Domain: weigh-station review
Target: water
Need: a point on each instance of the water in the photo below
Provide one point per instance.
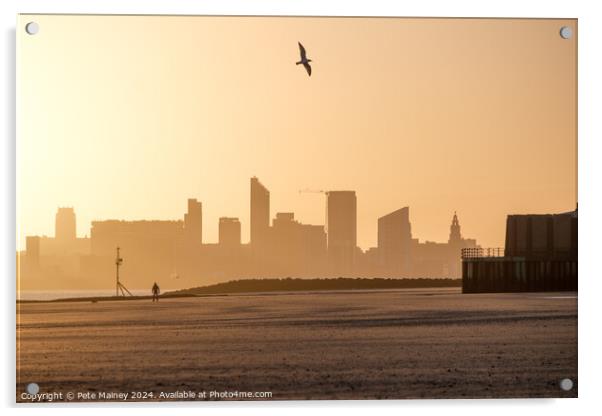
(67, 294)
(63, 294)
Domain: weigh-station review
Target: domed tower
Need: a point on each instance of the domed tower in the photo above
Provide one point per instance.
(455, 237)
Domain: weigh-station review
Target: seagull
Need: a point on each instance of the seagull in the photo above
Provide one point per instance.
(304, 59)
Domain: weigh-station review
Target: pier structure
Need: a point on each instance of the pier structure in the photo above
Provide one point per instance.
(540, 255)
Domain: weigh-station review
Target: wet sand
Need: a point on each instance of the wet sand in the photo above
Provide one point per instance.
(391, 344)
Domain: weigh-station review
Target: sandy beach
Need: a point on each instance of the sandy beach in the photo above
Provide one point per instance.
(390, 344)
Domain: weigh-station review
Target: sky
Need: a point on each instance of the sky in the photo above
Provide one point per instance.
(126, 117)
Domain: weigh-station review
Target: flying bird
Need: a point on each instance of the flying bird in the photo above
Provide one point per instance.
(304, 61)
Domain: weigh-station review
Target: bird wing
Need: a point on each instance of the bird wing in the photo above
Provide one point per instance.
(302, 51)
(307, 68)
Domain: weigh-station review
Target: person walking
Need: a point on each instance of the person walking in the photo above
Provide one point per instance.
(156, 292)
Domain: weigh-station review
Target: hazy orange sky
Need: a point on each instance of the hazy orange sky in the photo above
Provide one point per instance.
(127, 117)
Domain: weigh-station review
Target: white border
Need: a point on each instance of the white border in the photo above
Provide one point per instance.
(590, 209)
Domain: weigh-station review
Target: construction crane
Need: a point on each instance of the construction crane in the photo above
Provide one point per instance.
(311, 191)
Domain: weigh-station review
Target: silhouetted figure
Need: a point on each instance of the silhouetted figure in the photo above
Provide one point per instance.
(304, 61)
(156, 292)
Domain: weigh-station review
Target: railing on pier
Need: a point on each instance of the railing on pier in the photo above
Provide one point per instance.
(479, 252)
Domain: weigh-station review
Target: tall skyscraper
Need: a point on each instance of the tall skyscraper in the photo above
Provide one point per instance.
(64, 226)
(193, 221)
(394, 242)
(229, 232)
(260, 213)
(341, 228)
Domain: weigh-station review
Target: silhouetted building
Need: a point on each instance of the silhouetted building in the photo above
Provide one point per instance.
(284, 222)
(229, 232)
(50, 259)
(149, 247)
(64, 229)
(65, 241)
(160, 250)
(134, 235)
(542, 236)
(32, 247)
(284, 251)
(435, 260)
(314, 247)
(193, 221)
(260, 212)
(341, 229)
(394, 243)
(456, 243)
(540, 255)
(369, 263)
(296, 249)
(455, 235)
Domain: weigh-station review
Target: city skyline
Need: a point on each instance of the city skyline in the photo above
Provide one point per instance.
(280, 245)
(67, 215)
(83, 230)
(467, 115)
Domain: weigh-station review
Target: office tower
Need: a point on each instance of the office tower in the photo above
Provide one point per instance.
(341, 228)
(284, 249)
(64, 229)
(229, 232)
(394, 242)
(193, 221)
(314, 249)
(260, 213)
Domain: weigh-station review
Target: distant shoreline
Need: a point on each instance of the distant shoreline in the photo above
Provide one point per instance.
(295, 284)
(235, 287)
